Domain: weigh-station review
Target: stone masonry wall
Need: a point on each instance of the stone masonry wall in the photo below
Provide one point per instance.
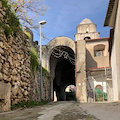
(14, 66)
(35, 77)
(46, 87)
(35, 87)
(17, 82)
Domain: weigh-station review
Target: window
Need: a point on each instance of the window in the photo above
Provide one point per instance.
(86, 38)
(99, 87)
(99, 50)
(98, 53)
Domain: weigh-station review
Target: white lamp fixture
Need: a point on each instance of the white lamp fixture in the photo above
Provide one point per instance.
(42, 22)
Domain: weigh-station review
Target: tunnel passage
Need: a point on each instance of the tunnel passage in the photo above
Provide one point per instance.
(62, 65)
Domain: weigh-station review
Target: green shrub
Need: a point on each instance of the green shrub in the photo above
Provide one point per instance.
(99, 94)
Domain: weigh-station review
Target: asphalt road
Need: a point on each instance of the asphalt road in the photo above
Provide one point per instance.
(66, 111)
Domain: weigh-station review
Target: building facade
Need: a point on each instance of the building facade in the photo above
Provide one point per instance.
(113, 20)
(80, 62)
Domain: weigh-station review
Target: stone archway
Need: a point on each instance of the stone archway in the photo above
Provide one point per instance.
(62, 66)
(73, 52)
(58, 41)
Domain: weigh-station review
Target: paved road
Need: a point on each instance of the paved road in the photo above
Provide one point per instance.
(66, 111)
(51, 111)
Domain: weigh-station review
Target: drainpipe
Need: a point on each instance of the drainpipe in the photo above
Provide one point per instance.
(110, 42)
(76, 65)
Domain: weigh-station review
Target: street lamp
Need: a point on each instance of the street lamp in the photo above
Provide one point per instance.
(41, 82)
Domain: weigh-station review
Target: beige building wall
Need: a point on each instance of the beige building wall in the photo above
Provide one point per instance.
(115, 56)
(81, 71)
(86, 29)
(93, 61)
(96, 55)
(113, 20)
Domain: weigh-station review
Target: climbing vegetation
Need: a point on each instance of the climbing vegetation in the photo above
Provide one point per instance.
(10, 23)
(28, 34)
(28, 104)
(34, 62)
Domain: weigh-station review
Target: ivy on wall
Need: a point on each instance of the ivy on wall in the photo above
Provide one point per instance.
(34, 62)
(10, 23)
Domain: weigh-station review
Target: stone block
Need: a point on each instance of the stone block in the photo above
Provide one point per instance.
(5, 90)
(1, 51)
(1, 44)
(0, 66)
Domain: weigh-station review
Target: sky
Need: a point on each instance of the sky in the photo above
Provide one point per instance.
(63, 16)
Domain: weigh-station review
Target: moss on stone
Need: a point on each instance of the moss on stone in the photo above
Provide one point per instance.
(10, 23)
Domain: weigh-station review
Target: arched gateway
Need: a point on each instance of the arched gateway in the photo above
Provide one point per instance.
(66, 67)
(62, 65)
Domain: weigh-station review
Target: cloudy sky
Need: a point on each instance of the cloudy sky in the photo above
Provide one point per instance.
(64, 15)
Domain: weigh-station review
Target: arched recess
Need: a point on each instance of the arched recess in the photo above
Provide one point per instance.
(86, 38)
(70, 92)
(62, 68)
(60, 41)
(99, 50)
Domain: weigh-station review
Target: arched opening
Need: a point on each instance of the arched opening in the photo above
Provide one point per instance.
(99, 87)
(70, 92)
(62, 67)
(86, 38)
(99, 50)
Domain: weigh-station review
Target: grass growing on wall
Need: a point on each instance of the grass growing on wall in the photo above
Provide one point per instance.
(10, 23)
(34, 62)
(28, 34)
(28, 104)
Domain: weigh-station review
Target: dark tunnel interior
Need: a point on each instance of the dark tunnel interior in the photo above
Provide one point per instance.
(64, 74)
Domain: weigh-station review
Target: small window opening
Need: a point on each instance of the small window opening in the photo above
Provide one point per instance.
(86, 38)
(99, 50)
(98, 53)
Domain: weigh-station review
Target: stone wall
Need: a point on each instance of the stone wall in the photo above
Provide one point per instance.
(35, 81)
(14, 65)
(17, 82)
(46, 87)
(35, 87)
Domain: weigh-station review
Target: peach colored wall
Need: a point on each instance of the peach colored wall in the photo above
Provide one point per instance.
(115, 55)
(95, 62)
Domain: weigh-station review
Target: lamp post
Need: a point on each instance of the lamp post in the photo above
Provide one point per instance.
(41, 82)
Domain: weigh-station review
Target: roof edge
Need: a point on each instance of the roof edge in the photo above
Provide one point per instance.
(109, 12)
(97, 39)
